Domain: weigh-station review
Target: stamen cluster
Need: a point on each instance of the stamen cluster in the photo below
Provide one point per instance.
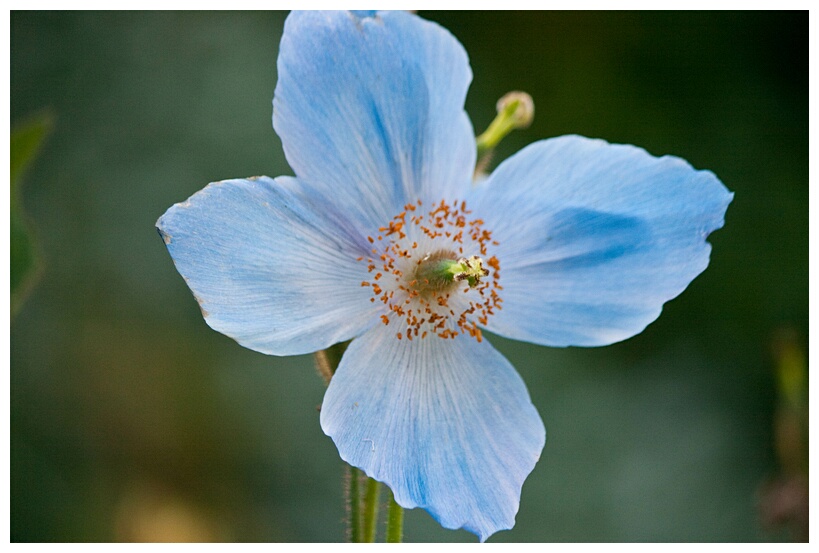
(407, 275)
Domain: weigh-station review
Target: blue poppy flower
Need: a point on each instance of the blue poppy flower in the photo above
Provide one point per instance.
(383, 238)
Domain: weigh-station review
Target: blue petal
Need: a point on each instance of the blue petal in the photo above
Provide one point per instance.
(595, 237)
(447, 424)
(370, 110)
(271, 268)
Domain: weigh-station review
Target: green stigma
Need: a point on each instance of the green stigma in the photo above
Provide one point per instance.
(440, 271)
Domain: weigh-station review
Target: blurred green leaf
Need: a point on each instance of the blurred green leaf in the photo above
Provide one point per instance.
(26, 140)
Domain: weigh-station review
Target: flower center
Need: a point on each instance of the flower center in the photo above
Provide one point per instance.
(431, 270)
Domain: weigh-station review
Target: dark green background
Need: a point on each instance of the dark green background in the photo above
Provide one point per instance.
(131, 419)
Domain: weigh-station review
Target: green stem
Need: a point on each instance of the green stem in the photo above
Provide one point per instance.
(370, 510)
(395, 521)
(498, 128)
(327, 360)
(354, 503)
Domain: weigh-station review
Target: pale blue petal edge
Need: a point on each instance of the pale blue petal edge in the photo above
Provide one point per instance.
(595, 237)
(370, 110)
(448, 425)
(269, 266)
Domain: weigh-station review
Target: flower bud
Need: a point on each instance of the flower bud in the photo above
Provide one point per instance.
(519, 106)
(516, 110)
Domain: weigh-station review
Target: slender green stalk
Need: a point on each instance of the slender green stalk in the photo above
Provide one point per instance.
(354, 504)
(327, 360)
(371, 510)
(395, 521)
(499, 128)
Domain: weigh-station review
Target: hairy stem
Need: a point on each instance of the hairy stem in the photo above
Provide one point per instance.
(395, 521)
(371, 510)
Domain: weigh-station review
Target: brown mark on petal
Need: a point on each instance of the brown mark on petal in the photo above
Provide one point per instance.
(199, 300)
(165, 236)
(201, 307)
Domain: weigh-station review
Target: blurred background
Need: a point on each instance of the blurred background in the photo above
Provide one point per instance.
(132, 420)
